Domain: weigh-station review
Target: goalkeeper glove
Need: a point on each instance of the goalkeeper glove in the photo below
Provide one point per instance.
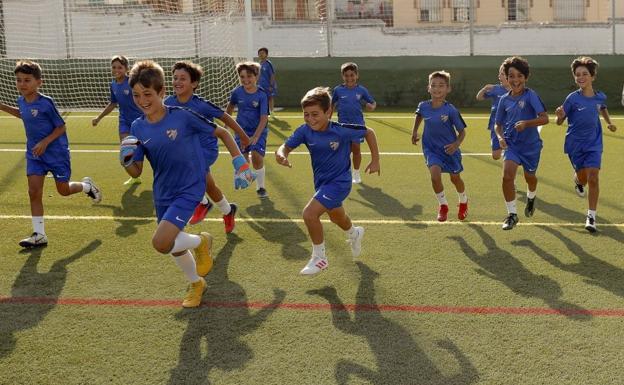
(243, 175)
(128, 146)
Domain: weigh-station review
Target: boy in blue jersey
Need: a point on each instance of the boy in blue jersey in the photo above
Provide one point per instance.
(267, 77)
(329, 145)
(186, 77)
(583, 141)
(252, 116)
(121, 95)
(347, 99)
(47, 148)
(170, 139)
(494, 92)
(443, 134)
(519, 114)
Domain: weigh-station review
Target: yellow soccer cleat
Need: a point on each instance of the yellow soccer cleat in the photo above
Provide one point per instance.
(133, 181)
(194, 294)
(203, 259)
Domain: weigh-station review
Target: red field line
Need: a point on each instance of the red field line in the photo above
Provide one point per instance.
(427, 309)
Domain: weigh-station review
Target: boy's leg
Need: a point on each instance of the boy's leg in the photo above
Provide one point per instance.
(357, 162)
(69, 188)
(509, 193)
(592, 197)
(312, 219)
(355, 234)
(462, 212)
(531, 180)
(35, 194)
(438, 188)
(228, 210)
(205, 205)
(257, 160)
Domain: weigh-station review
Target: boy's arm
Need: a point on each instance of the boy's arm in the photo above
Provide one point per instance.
(561, 115)
(499, 134)
(229, 109)
(227, 140)
(452, 147)
(541, 120)
(264, 120)
(231, 123)
(135, 169)
(107, 110)
(40, 147)
(10, 110)
(371, 140)
(482, 91)
(281, 155)
(371, 106)
(605, 115)
(417, 121)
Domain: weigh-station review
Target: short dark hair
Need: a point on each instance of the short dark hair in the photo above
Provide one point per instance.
(194, 70)
(348, 66)
(587, 62)
(248, 66)
(519, 63)
(319, 96)
(121, 59)
(148, 73)
(441, 75)
(265, 49)
(28, 67)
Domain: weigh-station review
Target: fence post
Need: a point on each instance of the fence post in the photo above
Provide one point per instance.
(249, 28)
(471, 16)
(329, 15)
(613, 45)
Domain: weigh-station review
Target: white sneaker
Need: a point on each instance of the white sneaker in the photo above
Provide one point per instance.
(590, 224)
(315, 265)
(35, 240)
(355, 176)
(356, 241)
(579, 188)
(94, 193)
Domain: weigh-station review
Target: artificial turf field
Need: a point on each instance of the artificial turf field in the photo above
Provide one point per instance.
(427, 303)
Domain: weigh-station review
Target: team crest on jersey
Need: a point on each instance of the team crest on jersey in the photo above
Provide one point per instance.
(358, 96)
(126, 92)
(34, 112)
(172, 134)
(521, 104)
(255, 104)
(444, 118)
(334, 145)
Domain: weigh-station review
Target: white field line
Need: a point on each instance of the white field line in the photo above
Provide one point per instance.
(298, 220)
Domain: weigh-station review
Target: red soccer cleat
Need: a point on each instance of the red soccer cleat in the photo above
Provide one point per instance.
(200, 213)
(228, 219)
(462, 213)
(442, 213)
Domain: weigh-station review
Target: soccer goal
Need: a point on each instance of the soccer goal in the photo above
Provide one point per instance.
(74, 40)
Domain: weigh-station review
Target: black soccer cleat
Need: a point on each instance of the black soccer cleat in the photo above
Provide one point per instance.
(510, 221)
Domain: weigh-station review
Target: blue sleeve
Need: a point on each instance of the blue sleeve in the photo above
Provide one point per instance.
(602, 100)
(367, 96)
(297, 138)
(210, 110)
(334, 95)
(234, 97)
(419, 108)
(199, 123)
(536, 103)
(54, 115)
(489, 94)
(113, 98)
(501, 114)
(271, 70)
(457, 120)
(568, 105)
(264, 104)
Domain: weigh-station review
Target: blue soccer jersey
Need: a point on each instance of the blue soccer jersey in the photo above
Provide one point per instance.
(250, 108)
(121, 93)
(441, 125)
(513, 109)
(584, 128)
(40, 118)
(329, 150)
(173, 149)
(349, 103)
(496, 93)
(264, 81)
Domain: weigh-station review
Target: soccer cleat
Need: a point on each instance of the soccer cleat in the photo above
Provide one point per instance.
(314, 265)
(356, 178)
(462, 213)
(510, 221)
(590, 224)
(35, 240)
(442, 213)
(529, 209)
(94, 192)
(133, 181)
(262, 193)
(228, 219)
(194, 293)
(200, 212)
(579, 188)
(356, 241)
(203, 259)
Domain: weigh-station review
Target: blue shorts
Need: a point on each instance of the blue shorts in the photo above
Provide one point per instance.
(210, 156)
(124, 127)
(61, 168)
(529, 160)
(259, 147)
(332, 195)
(451, 164)
(494, 140)
(585, 159)
(358, 141)
(179, 212)
(269, 93)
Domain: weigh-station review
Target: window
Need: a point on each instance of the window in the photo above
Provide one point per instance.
(569, 10)
(430, 10)
(517, 10)
(461, 10)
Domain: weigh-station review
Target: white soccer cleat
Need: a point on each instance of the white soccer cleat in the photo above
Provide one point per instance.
(315, 265)
(94, 193)
(590, 224)
(35, 240)
(355, 177)
(579, 188)
(356, 241)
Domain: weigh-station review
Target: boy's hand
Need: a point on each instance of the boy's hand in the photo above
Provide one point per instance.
(520, 125)
(95, 122)
(243, 176)
(244, 141)
(40, 148)
(451, 148)
(370, 106)
(254, 139)
(560, 112)
(612, 127)
(282, 160)
(415, 138)
(502, 143)
(373, 167)
(127, 148)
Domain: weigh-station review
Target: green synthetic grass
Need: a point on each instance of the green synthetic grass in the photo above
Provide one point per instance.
(549, 262)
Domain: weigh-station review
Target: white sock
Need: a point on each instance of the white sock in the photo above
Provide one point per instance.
(441, 198)
(185, 241)
(204, 200)
(186, 263)
(260, 177)
(356, 171)
(351, 231)
(86, 187)
(591, 213)
(511, 207)
(38, 227)
(463, 198)
(531, 194)
(224, 206)
(319, 250)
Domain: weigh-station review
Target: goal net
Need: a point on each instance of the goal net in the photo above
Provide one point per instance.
(73, 40)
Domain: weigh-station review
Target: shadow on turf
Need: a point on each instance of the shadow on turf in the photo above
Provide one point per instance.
(387, 205)
(132, 206)
(286, 232)
(282, 125)
(598, 272)
(500, 265)
(40, 292)
(221, 322)
(399, 358)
